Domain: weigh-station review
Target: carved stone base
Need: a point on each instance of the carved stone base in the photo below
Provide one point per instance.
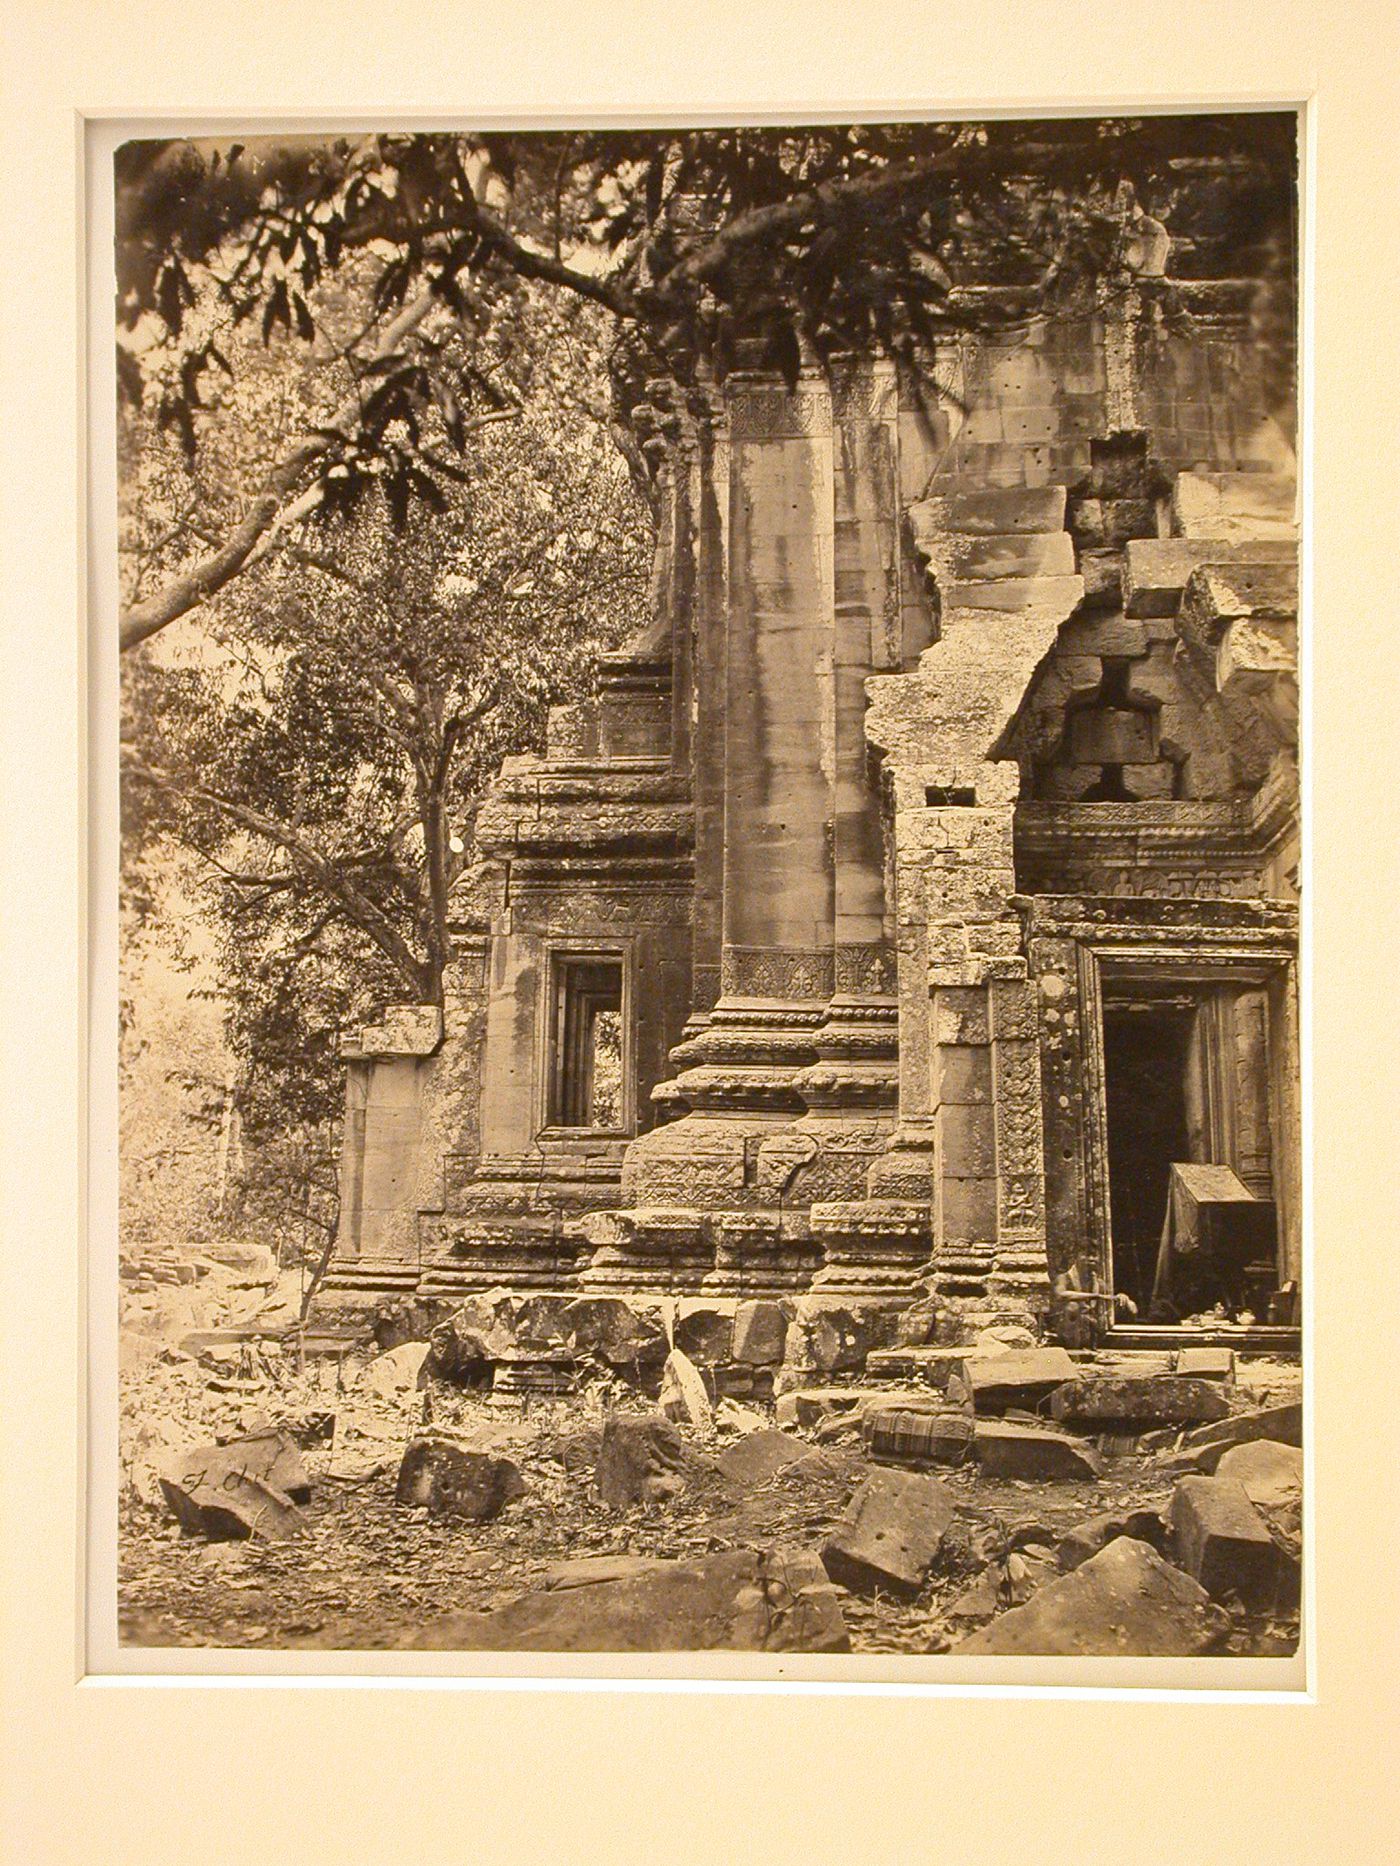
(653, 1249)
(762, 1253)
(467, 1254)
(871, 1247)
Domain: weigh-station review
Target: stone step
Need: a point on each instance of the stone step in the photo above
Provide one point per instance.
(1156, 570)
(986, 557)
(988, 511)
(1013, 593)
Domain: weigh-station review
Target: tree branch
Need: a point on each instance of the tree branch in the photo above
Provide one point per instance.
(327, 873)
(218, 567)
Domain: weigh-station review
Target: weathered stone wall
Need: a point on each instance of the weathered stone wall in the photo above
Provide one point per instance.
(925, 653)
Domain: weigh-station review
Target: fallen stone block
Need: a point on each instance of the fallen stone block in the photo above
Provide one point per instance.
(1271, 1476)
(1029, 1452)
(730, 1416)
(640, 1460)
(891, 1534)
(1123, 1602)
(250, 1487)
(738, 1600)
(831, 1334)
(918, 1437)
(760, 1333)
(1221, 1539)
(1019, 1377)
(592, 1570)
(810, 1406)
(928, 1366)
(397, 1374)
(1084, 1540)
(1206, 1363)
(760, 1456)
(1101, 1402)
(704, 1332)
(1207, 1444)
(683, 1394)
(447, 1478)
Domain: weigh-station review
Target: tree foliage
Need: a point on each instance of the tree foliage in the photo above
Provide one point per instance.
(702, 246)
(324, 754)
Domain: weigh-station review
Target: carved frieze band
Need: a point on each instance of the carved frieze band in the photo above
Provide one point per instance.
(774, 414)
(867, 968)
(793, 972)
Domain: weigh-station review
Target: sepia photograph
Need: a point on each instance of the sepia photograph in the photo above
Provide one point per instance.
(710, 884)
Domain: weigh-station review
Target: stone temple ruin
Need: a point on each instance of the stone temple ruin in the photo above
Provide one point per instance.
(908, 926)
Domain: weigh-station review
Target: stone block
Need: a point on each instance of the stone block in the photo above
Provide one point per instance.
(1207, 1444)
(250, 1487)
(1032, 1453)
(962, 1074)
(1221, 1539)
(1206, 1364)
(918, 1437)
(1084, 1540)
(1271, 1476)
(1109, 735)
(1104, 1402)
(923, 1364)
(447, 1478)
(760, 1456)
(760, 1331)
(1021, 1377)
(684, 1396)
(990, 512)
(640, 1460)
(891, 1534)
(967, 1140)
(1123, 1602)
(967, 1209)
(704, 1332)
(396, 1375)
(738, 1600)
(833, 1334)
(960, 1015)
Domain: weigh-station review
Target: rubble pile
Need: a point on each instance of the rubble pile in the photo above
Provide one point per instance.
(989, 1498)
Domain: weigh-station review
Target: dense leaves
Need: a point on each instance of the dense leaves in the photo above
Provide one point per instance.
(707, 248)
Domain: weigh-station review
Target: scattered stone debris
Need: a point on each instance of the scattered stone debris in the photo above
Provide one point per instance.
(447, 1478)
(930, 1366)
(730, 1416)
(590, 1570)
(1205, 1445)
(1005, 1448)
(1124, 1601)
(737, 1600)
(397, 1374)
(251, 1487)
(1206, 1363)
(1103, 1401)
(520, 1374)
(891, 1534)
(1221, 1539)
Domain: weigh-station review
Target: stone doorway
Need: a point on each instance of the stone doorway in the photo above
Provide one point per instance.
(1193, 1230)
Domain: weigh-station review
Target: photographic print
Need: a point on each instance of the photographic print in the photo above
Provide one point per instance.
(710, 889)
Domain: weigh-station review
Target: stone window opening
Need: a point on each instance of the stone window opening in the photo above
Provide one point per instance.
(587, 1053)
(1193, 1227)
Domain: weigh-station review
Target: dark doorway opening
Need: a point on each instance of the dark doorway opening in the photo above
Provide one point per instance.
(1192, 1218)
(1146, 1052)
